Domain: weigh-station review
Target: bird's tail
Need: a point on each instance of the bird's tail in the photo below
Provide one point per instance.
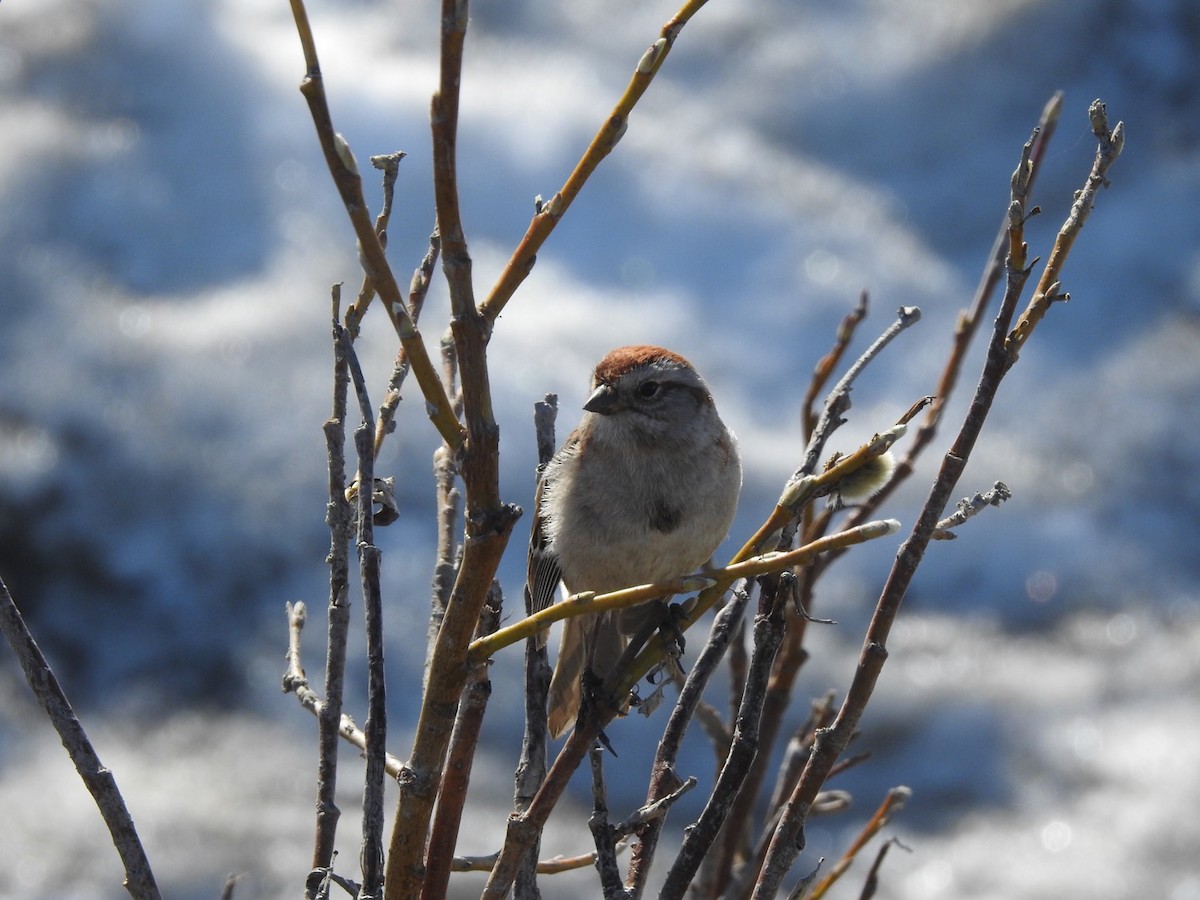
(595, 642)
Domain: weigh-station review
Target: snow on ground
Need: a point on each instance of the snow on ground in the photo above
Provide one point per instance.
(167, 239)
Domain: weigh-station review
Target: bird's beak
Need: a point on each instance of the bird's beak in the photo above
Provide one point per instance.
(603, 400)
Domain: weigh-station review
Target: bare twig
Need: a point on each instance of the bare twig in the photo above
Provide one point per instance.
(345, 175)
(449, 508)
(801, 487)
(715, 580)
(489, 521)
(824, 368)
(553, 866)
(602, 832)
(389, 164)
(971, 506)
(768, 633)
(872, 880)
(663, 778)
(548, 214)
(97, 778)
(788, 837)
(965, 329)
(296, 682)
(892, 804)
(653, 811)
(531, 766)
(227, 888)
(523, 829)
(798, 749)
(1109, 146)
(418, 289)
(368, 562)
(338, 518)
(446, 473)
(738, 833)
(740, 861)
(464, 741)
(839, 398)
(715, 728)
(739, 661)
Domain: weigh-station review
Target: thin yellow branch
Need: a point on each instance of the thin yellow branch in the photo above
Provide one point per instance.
(713, 583)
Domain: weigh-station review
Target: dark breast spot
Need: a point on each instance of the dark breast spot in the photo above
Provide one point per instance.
(663, 516)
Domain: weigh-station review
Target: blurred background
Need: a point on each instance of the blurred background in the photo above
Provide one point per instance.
(168, 238)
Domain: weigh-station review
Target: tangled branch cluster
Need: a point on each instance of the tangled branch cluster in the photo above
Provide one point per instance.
(726, 852)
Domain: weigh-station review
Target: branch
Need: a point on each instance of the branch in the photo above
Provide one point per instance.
(553, 866)
(548, 214)
(892, 804)
(824, 368)
(801, 486)
(872, 880)
(344, 172)
(464, 740)
(368, 562)
(489, 522)
(969, 507)
(768, 634)
(296, 682)
(965, 329)
(523, 829)
(664, 780)
(602, 832)
(389, 164)
(531, 765)
(418, 289)
(446, 472)
(839, 398)
(329, 714)
(1110, 144)
(831, 742)
(711, 581)
(97, 778)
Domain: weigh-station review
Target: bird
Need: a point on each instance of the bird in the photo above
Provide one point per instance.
(644, 489)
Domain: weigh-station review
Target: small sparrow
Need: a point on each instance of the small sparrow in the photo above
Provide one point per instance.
(644, 489)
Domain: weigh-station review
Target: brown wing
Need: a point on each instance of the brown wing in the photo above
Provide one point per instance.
(543, 572)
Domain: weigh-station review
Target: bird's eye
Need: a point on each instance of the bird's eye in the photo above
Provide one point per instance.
(648, 390)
